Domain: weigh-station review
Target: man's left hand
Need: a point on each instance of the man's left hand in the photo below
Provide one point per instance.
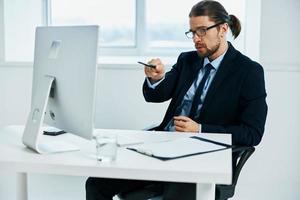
(185, 124)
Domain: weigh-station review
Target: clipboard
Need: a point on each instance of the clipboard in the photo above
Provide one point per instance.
(180, 148)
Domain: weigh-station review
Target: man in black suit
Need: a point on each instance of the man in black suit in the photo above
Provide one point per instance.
(232, 102)
(214, 89)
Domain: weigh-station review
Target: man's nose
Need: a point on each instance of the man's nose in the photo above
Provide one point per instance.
(196, 38)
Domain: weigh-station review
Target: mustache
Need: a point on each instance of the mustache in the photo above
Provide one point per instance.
(199, 45)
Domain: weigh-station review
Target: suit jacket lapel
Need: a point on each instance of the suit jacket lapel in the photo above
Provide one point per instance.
(196, 66)
(225, 69)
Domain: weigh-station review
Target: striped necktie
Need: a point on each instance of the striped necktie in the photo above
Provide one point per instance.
(197, 97)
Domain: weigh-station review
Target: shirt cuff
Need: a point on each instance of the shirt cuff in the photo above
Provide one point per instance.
(153, 86)
(200, 128)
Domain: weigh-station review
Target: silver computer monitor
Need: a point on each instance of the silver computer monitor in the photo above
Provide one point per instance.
(64, 83)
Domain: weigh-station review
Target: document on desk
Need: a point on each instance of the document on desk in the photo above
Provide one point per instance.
(179, 148)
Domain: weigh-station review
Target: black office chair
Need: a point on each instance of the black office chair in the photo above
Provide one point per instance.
(240, 155)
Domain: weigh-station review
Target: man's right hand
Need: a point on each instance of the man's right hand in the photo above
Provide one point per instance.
(157, 73)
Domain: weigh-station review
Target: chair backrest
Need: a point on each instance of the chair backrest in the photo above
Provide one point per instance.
(240, 154)
(244, 154)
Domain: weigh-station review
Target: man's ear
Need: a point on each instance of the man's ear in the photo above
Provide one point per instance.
(224, 29)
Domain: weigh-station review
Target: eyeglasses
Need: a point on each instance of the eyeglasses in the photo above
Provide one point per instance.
(200, 32)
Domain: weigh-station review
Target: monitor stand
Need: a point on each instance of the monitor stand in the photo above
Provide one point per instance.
(33, 136)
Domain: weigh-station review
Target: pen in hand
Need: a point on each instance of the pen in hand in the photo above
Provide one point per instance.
(147, 65)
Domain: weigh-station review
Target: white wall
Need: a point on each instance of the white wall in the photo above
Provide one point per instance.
(271, 173)
(15, 87)
(119, 97)
(273, 170)
(120, 101)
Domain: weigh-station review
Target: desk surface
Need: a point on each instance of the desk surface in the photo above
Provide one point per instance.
(206, 168)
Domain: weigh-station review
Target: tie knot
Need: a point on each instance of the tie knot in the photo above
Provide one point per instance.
(208, 67)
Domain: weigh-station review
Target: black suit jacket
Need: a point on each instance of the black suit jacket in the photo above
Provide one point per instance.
(235, 102)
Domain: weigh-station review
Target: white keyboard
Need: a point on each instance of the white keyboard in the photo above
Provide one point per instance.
(54, 145)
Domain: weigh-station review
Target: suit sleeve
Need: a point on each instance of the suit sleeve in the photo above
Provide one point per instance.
(165, 90)
(253, 112)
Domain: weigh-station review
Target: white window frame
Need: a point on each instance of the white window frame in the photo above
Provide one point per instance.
(141, 49)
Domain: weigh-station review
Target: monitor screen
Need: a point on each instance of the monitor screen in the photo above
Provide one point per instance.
(68, 55)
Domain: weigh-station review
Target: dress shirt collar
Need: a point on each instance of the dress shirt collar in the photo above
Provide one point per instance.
(216, 62)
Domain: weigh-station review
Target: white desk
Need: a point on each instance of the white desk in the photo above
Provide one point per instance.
(206, 170)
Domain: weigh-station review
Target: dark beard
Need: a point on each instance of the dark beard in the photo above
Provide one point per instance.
(211, 51)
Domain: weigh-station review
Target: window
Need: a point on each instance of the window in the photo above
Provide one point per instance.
(127, 27)
(116, 18)
(167, 26)
(159, 25)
